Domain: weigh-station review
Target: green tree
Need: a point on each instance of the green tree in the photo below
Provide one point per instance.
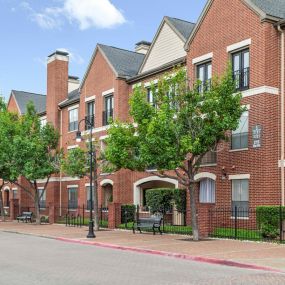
(177, 131)
(35, 156)
(76, 163)
(9, 125)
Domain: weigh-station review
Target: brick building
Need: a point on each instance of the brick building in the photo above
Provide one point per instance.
(246, 172)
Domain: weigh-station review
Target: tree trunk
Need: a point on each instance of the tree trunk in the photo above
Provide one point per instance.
(2, 205)
(194, 220)
(37, 208)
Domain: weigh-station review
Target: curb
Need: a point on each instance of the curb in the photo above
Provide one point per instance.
(208, 260)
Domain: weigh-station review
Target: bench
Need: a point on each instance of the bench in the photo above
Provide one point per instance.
(153, 222)
(25, 217)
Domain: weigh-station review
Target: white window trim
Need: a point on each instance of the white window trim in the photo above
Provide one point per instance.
(73, 107)
(260, 90)
(239, 176)
(88, 184)
(72, 186)
(136, 85)
(13, 189)
(149, 83)
(91, 98)
(238, 149)
(72, 146)
(106, 181)
(108, 92)
(239, 45)
(203, 175)
(202, 58)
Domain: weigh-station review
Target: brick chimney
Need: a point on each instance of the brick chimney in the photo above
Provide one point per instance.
(57, 84)
(142, 47)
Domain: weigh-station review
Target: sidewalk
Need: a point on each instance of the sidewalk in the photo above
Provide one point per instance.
(253, 253)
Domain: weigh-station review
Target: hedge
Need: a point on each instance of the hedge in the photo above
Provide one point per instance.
(128, 213)
(268, 220)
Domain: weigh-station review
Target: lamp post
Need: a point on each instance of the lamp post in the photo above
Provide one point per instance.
(89, 123)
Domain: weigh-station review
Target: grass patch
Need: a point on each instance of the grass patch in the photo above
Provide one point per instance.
(85, 222)
(240, 234)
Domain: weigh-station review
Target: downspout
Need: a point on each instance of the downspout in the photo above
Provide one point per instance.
(60, 173)
(282, 115)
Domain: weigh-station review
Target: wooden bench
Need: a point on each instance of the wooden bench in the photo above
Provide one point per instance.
(25, 217)
(153, 223)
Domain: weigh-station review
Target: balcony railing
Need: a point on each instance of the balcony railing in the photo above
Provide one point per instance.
(107, 115)
(241, 77)
(91, 120)
(204, 86)
(240, 141)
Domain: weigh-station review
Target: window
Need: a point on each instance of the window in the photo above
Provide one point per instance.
(42, 195)
(240, 198)
(73, 120)
(209, 158)
(150, 97)
(240, 63)
(72, 198)
(108, 109)
(15, 193)
(204, 75)
(90, 114)
(240, 135)
(88, 198)
(43, 121)
(207, 191)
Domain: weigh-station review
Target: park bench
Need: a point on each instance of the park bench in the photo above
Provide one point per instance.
(154, 222)
(25, 217)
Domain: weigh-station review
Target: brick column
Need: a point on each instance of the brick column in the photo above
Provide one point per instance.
(114, 215)
(14, 209)
(51, 216)
(204, 220)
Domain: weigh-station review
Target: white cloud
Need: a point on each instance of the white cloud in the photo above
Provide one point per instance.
(74, 57)
(86, 13)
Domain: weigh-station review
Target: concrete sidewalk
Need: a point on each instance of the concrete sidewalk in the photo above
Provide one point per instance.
(253, 253)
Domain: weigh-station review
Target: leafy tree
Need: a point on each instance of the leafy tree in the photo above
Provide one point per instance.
(177, 131)
(9, 125)
(76, 163)
(35, 156)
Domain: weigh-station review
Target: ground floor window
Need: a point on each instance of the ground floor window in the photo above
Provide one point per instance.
(42, 195)
(240, 197)
(207, 191)
(72, 198)
(88, 197)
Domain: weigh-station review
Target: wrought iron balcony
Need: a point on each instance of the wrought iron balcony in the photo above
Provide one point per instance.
(241, 77)
(107, 115)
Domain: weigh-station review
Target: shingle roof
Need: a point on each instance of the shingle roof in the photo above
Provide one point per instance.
(126, 63)
(23, 98)
(183, 27)
(275, 8)
(72, 97)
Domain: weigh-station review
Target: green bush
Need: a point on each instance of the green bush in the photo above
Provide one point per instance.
(268, 220)
(159, 200)
(179, 197)
(128, 213)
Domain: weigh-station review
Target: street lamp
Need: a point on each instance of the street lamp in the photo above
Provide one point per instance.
(89, 124)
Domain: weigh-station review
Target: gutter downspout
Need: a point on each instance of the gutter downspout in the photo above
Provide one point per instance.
(60, 173)
(282, 49)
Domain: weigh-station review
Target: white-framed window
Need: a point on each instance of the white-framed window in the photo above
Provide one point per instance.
(90, 114)
(42, 195)
(108, 109)
(207, 192)
(73, 120)
(240, 63)
(240, 135)
(43, 121)
(240, 197)
(72, 198)
(204, 75)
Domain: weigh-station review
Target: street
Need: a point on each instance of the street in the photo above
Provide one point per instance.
(33, 260)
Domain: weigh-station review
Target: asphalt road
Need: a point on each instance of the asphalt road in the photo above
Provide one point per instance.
(28, 260)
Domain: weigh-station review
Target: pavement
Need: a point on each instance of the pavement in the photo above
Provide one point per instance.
(32, 260)
(243, 254)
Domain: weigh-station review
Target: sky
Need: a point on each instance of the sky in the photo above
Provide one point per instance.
(30, 30)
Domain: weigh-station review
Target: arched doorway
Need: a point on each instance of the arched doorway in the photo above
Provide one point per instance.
(107, 192)
(6, 198)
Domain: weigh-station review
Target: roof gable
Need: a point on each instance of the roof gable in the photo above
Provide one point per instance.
(168, 43)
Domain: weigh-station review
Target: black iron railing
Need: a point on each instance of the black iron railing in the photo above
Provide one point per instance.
(107, 116)
(241, 78)
(89, 120)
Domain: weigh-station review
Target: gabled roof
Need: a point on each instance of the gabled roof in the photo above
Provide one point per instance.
(273, 10)
(124, 63)
(73, 97)
(180, 27)
(23, 98)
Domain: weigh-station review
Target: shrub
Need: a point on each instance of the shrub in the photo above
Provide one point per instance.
(128, 213)
(268, 220)
(159, 200)
(179, 197)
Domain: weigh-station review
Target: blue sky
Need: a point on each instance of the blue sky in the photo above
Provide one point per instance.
(30, 30)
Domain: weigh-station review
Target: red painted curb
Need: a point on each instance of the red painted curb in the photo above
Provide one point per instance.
(174, 255)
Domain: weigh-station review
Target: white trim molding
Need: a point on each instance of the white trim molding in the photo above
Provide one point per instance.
(134, 86)
(73, 107)
(106, 181)
(136, 188)
(58, 179)
(72, 186)
(202, 58)
(149, 83)
(72, 146)
(88, 184)
(108, 92)
(203, 175)
(91, 98)
(239, 176)
(260, 90)
(239, 45)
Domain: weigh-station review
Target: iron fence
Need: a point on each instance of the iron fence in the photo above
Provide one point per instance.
(248, 223)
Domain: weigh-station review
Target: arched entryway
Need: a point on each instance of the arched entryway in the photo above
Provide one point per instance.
(6, 197)
(107, 192)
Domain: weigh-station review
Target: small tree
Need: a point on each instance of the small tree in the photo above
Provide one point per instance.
(35, 156)
(175, 134)
(9, 125)
(76, 163)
